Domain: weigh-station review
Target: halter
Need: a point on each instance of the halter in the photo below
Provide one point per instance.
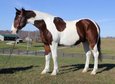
(20, 18)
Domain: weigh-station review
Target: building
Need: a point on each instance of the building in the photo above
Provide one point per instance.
(8, 37)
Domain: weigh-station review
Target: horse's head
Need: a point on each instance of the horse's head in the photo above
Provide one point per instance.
(19, 21)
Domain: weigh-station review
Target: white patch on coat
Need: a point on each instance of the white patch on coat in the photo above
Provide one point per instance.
(54, 57)
(88, 54)
(39, 16)
(13, 29)
(52, 28)
(47, 64)
(96, 54)
(69, 36)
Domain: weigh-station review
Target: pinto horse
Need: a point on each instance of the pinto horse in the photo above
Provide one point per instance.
(54, 30)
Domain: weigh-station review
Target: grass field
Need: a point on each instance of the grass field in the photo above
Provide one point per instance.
(27, 69)
(22, 46)
(107, 47)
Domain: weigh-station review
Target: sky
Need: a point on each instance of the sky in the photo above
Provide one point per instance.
(101, 11)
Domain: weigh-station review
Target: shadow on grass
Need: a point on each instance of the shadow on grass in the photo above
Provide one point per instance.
(105, 67)
(70, 68)
(75, 67)
(15, 69)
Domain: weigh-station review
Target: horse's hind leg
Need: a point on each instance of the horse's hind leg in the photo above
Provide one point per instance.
(96, 54)
(94, 49)
(88, 54)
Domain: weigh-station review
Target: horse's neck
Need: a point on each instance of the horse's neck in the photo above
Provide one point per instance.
(42, 15)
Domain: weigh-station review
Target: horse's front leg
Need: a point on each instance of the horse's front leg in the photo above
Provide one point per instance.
(54, 57)
(47, 59)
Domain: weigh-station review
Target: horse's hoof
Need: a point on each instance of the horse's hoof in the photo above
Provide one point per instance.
(84, 71)
(44, 71)
(93, 73)
(54, 72)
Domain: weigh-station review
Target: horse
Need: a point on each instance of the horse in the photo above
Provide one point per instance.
(55, 30)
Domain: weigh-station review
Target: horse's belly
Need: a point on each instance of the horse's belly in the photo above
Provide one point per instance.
(69, 37)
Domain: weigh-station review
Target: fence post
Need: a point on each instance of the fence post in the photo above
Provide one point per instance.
(27, 52)
(18, 51)
(35, 53)
(63, 54)
(10, 51)
(3, 50)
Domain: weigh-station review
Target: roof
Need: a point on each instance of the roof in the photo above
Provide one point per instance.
(9, 35)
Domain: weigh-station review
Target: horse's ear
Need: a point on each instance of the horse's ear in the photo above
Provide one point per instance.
(17, 11)
(23, 10)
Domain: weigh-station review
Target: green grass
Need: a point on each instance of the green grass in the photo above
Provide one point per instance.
(22, 46)
(107, 47)
(34, 46)
(27, 69)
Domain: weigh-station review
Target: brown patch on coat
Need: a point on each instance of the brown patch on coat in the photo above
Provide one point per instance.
(87, 31)
(59, 23)
(30, 14)
(44, 33)
(47, 49)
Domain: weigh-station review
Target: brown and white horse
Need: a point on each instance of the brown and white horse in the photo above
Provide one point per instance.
(54, 30)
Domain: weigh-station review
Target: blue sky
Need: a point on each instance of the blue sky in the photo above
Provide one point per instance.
(101, 11)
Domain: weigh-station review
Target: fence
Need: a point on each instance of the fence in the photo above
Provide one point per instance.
(41, 53)
(20, 52)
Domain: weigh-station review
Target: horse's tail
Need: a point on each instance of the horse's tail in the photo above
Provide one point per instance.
(99, 48)
(99, 44)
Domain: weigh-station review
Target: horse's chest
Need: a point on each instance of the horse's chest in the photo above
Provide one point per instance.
(69, 36)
